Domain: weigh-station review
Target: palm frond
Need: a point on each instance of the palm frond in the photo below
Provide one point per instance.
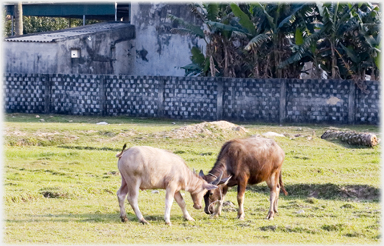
(243, 19)
(212, 11)
(189, 28)
(291, 17)
(257, 41)
(223, 27)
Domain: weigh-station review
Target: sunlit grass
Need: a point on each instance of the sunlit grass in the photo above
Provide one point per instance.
(61, 179)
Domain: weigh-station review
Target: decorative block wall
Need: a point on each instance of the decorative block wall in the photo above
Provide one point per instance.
(24, 93)
(190, 98)
(368, 104)
(317, 101)
(251, 99)
(75, 94)
(132, 96)
(263, 100)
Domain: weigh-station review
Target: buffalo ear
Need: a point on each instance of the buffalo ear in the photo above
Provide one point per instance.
(217, 181)
(224, 181)
(201, 173)
(210, 186)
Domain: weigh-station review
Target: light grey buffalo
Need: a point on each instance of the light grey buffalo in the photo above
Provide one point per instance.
(144, 167)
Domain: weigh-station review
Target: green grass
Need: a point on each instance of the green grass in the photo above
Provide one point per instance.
(61, 180)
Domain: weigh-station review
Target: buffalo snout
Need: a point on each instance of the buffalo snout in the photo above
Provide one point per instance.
(197, 206)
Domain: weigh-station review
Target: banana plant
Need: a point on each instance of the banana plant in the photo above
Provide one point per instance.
(219, 28)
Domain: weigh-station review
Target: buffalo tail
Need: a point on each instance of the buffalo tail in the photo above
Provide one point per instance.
(121, 153)
(282, 185)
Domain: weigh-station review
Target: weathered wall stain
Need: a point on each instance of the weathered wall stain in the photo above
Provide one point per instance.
(166, 51)
(142, 54)
(334, 100)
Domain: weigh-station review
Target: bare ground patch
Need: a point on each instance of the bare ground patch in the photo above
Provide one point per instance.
(206, 129)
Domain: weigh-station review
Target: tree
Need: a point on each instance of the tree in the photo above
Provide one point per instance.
(18, 18)
(35, 24)
(275, 40)
(221, 34)
(345, 41)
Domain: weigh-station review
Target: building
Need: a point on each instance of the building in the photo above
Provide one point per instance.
(140, 45)
(103, 48)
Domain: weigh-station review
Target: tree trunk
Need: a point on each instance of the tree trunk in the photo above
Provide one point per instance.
(352, 138)
(212, 66)
(373, 77)
(18, 12)
(334, 62)
(256, 72)
(225, 59)
(280, 48)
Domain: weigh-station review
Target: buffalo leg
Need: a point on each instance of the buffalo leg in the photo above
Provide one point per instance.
(169, 194)
(133, 199)
(121, 194)
(240, 198)
(277, 193)
(272, 184)
(179, 199)
(221, 201)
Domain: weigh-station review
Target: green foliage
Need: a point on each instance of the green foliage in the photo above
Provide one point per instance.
(276, 39)
(34, 24)
(189, 28)
(243, 19)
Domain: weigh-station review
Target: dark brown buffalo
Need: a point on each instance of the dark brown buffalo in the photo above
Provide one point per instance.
(246, 161)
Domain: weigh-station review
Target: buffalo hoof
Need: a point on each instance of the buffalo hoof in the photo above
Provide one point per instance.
(168, 223)
(144, 222)
(241, 216)
(124, 219)
(190, 219)
(270, 216)
(214, 216)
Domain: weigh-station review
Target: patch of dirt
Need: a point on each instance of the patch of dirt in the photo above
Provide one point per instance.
(123, 135)
(206, 129)
(46, 134)
(8, 132)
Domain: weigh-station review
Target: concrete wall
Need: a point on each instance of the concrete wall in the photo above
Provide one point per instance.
(101, 53)
(147, 48)
(269, 100)
(30, 58)
(158, 51)
(104, 52)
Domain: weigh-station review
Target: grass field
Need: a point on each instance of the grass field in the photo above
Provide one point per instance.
(61, 178)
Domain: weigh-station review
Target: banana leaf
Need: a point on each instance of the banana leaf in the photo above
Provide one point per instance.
(243, 19)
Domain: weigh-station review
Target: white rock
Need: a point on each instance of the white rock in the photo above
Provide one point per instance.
(102, 123)
(272, 134)
(300, 211)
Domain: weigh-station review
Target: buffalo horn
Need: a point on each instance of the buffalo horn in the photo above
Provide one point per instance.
(201, 173)
(216, 181)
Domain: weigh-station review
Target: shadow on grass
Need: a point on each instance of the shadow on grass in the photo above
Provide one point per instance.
(93, 218)
(326, 191)
(89, 148)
